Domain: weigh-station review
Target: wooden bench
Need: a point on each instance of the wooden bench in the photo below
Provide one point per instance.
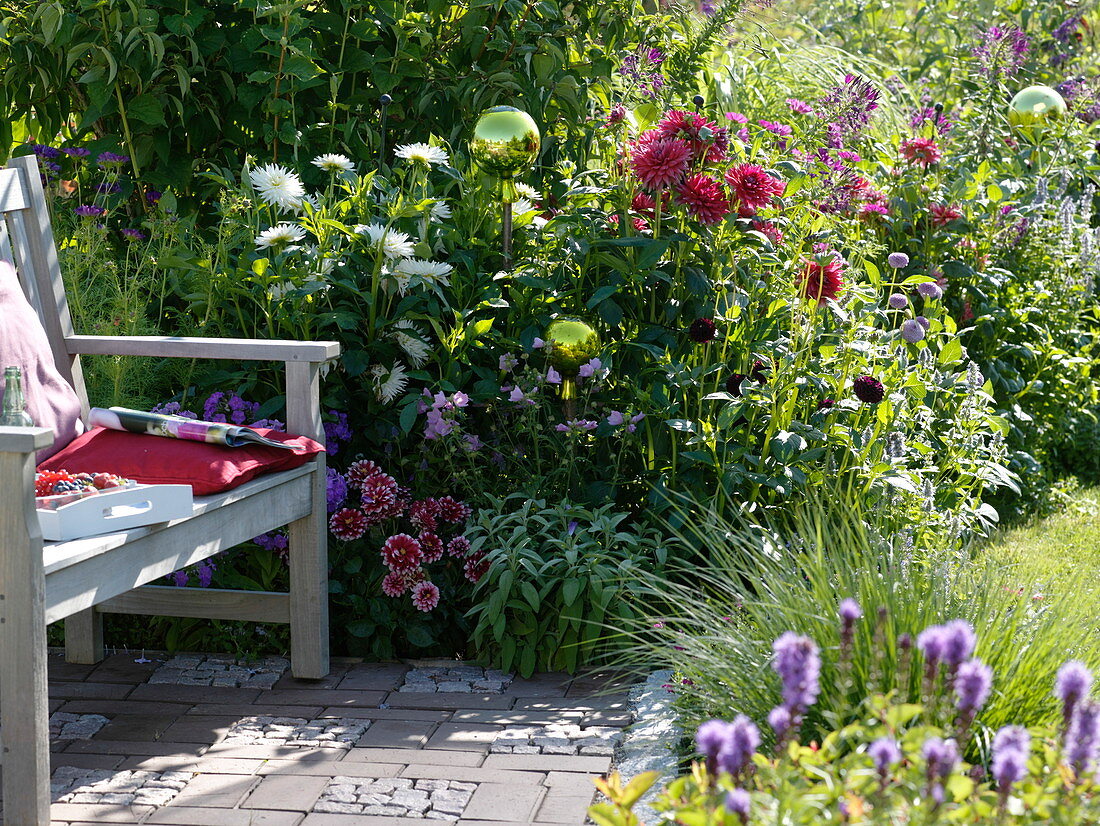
(79, 580)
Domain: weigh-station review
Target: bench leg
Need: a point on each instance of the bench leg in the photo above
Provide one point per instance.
(24, 707)
(308, 549)
(84, 637)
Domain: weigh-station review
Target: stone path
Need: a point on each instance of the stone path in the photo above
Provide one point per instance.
(198, 740)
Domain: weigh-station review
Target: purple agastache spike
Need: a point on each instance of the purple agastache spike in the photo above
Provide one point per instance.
(742, 740)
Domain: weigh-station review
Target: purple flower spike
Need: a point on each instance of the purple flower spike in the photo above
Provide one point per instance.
(1072, 685)
(779, 718)
(885, 754)
(850, 611)
(959, 642)
(742, 740)
(1083, 738)
(1011, 747)
(739, 803)
(940, 757)
(798, 664)
(710, 737)
(972, 685)
(931, 642)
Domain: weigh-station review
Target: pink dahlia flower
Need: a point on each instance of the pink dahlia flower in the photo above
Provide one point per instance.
(659, 162)
(704, 199)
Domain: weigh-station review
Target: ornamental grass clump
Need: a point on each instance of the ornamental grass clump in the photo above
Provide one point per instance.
(896, 763)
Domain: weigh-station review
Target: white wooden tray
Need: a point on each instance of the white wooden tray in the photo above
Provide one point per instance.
(114, 510)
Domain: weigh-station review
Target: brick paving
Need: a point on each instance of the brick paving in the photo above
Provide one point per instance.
(198, 740)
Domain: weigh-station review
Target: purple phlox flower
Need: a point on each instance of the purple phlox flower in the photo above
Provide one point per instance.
(179, 578)
(742, 740)
(132, 234)
(174, 409)
(272, 542)
(210, 406)
(972, 686)
(336, 489)
(336, 433)
(76, 151)
(800, 106)
(108, 188)
(912, 331)
(90, 210)
(897, 301)
(898, 260)
(508, 362)
(205, 570)
(552, 376)
(472, 442)
(1083, 737)
(959, 642)
(1001, 52)
(269, 424)
(1073, 683)
(738, 802)
(1011, 747)
(798, 664)
(615, 418)
(930, 290)
(779, 718)
(885, 754)
(589, 368)
(112, 159)
(710, 738)
(44, 151)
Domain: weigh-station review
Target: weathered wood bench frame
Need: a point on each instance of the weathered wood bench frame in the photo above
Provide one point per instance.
(80, 580)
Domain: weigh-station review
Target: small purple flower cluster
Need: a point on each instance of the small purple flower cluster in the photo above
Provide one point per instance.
(442, 412)
(1001, 52)
(642, 70)
(847, 108)
(111, 159)
(337, 433)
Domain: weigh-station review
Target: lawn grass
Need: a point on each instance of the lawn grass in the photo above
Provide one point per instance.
(1058, 552)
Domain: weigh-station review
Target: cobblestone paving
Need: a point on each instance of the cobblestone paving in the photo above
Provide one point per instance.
(338, 733)
(465, 679)
(396, 797)
(198, 669)
(598, 741)
(75, 726)
(190, 741)
(127, 788)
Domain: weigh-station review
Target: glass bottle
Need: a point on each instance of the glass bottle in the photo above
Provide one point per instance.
(15, 410)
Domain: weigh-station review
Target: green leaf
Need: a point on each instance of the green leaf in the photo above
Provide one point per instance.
(951, 352)
(146, 109)
(570, 590)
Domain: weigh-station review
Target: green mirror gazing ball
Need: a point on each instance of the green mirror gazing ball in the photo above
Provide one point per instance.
(1035, 106)
(573, 343)
(506, 141)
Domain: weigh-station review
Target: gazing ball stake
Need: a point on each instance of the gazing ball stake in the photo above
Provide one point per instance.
(572, 343)
(506, 141)
(1035, 107)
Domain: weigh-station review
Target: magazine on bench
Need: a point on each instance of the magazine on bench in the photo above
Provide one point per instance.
(179, 427)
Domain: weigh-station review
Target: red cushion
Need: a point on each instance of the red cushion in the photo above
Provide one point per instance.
(155, 460)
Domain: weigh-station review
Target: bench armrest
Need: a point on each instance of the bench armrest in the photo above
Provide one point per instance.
(237, 349)
(24, 439)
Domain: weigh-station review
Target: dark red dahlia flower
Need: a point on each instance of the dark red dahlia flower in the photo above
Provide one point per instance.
(752, 187)
(401, 552)
(702, 330)
(821, 282)
(659, 162)
(458, 546)
(868, 389)
(453, 511)
(361, 471)
(704, 198)
(348, 524)
(431, 546)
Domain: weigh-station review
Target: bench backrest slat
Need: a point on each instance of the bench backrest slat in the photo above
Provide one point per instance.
(27, 242)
